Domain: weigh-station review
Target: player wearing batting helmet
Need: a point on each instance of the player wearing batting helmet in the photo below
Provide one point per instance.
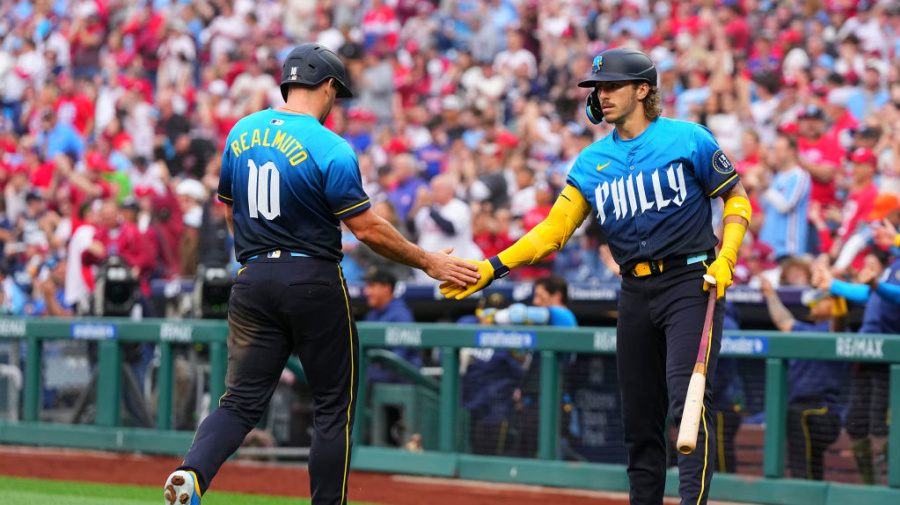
(289, 183)
(649, 183)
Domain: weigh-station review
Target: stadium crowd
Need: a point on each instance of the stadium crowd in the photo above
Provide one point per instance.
(466, 120)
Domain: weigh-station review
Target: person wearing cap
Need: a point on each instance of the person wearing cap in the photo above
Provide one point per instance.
(649, 183)
(856, 214)
(290, 183)
(814, 392)
(384, 307)
(191, 195)
(820, 155)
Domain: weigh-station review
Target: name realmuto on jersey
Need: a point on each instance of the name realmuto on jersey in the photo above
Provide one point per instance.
(629, 195)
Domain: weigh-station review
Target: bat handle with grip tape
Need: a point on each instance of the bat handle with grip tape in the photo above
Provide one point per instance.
(693, 402)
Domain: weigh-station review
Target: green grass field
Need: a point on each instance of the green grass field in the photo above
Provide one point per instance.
(16, 491)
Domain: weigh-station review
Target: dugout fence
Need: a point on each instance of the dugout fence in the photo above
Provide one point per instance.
(436, 411)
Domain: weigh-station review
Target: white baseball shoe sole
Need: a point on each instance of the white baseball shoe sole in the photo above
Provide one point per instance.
(182, 488)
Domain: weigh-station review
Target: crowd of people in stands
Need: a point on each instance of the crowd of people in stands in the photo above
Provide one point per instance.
(466, 121)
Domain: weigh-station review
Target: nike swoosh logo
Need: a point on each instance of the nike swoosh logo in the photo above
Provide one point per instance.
(601, 167)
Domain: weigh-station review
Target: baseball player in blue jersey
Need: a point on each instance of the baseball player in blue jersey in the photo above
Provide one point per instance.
(649, 183)
(290, 182)
(867, 414)
(814, 405)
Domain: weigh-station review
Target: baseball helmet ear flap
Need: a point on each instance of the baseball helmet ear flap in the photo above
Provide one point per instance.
(592, 108)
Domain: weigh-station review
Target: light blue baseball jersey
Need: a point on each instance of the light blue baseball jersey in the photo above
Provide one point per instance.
(651, 194)
(786, 230)
(289, 181)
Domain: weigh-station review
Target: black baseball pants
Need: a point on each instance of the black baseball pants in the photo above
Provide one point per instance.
(280, 306)
(658, 335)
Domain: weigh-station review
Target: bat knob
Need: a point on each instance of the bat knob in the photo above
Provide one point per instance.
(710, 279)
(686, 449)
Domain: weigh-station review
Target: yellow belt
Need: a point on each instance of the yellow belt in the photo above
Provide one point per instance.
(645, 268)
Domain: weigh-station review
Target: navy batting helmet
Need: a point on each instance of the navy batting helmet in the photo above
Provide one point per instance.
(619, 64)
(312, 64)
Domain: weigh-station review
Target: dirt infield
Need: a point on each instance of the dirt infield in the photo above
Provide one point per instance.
(244, 477)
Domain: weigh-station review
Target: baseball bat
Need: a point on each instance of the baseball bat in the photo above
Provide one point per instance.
(693, 402)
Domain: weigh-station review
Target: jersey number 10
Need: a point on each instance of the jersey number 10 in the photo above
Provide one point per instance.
(262, 191)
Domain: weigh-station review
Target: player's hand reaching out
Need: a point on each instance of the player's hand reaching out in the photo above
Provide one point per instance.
(450, 269)
(460, 290)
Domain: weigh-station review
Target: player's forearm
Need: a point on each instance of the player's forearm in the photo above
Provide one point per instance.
(551, 234)
(781, 316)
(385, 240)
(857, 293)
(736, 220)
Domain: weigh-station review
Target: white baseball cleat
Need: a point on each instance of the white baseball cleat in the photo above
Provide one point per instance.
(182, 488)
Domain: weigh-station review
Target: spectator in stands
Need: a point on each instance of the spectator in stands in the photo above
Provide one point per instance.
(12, 298)
(857, 207)
(864, 101)
(79, 283)
(820, 155)
(384, 307)
(814, 387)
(117, 237)
(58, 138)
(191, 195)
(443, 221)
(785, 203)
(883, 206)
(214, 241)
(74, 107)
(51, 289)
(406, 186)
(490, 376)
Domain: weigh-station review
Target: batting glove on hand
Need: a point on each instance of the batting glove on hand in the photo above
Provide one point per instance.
(722, 269)
(452, 290)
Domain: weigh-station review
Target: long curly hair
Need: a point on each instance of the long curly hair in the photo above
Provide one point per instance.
(652, 107)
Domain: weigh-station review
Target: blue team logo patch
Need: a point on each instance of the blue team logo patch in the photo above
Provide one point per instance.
(276, 122)
(721, 163)
(598, 62)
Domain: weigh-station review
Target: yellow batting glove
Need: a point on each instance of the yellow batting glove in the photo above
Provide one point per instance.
(485, 270)
(722, 269)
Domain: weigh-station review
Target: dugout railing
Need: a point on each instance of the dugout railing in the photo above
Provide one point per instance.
(27, 337)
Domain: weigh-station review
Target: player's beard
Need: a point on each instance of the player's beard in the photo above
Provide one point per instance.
(625, 110)
(326, 111)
